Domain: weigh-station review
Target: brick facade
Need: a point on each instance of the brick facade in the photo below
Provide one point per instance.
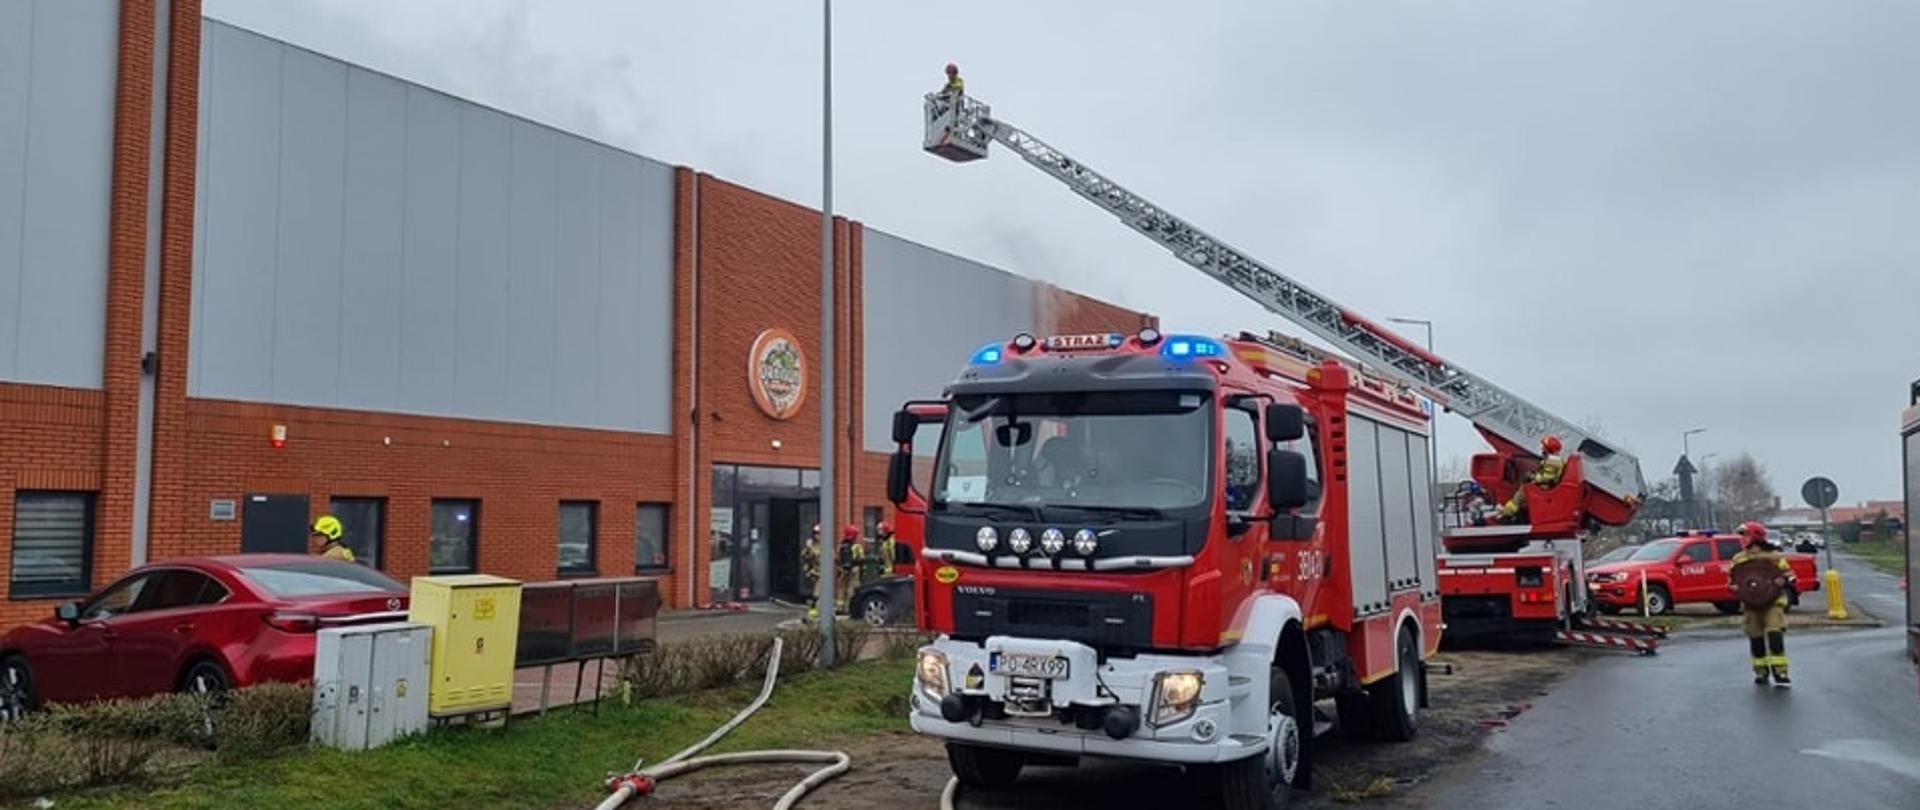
(743, 262)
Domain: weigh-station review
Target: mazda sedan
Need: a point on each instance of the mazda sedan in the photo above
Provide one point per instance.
(203, 624)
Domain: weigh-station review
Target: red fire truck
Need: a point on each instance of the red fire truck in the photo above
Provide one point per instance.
(1168, 548)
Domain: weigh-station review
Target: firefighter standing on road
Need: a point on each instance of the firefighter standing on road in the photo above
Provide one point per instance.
(1545, 475)
(329, 531)
(1765, 626)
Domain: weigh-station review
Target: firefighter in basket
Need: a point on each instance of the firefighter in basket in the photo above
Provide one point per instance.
(1760, 577)
(1545, 475)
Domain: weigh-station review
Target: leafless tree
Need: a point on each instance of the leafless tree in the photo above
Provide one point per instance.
(1453, 470)
(1742, 491)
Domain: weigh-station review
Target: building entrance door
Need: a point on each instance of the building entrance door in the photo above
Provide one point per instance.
(761, 519)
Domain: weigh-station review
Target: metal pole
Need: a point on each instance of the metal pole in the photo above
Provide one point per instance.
(828, 536)
(1826, 540)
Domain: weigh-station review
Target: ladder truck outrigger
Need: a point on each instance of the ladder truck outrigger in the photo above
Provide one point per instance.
(1169, 548)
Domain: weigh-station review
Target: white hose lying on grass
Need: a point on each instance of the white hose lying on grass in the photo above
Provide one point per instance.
(946, 796)
(837, 761)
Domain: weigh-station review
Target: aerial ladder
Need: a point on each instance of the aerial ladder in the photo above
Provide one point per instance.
(1601, 484)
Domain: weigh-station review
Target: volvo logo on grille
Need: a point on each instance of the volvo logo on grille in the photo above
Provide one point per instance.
(975, 590)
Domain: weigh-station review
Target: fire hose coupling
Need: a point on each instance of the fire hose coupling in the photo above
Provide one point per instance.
(637, 784)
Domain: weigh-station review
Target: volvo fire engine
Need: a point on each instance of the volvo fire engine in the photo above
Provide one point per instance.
(1169, 547)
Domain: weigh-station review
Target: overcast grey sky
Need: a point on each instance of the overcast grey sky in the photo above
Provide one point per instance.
(1650, 215)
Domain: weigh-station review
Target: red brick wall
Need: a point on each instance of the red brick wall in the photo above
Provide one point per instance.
(50, 438)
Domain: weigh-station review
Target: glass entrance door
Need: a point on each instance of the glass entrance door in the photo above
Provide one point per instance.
(761, 518)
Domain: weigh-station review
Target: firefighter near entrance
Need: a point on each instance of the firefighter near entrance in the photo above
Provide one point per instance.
(1761, 577)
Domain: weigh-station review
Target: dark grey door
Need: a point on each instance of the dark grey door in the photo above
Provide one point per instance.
(274, 523)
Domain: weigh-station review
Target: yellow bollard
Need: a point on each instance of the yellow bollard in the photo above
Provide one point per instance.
(1836, 598)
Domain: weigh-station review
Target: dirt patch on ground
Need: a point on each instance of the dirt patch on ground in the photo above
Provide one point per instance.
(899, 770)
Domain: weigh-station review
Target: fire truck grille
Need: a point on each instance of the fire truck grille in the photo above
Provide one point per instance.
(1114, 620)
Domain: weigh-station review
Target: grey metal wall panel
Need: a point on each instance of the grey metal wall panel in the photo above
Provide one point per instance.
(1423, 512)
(372, 244)
(233, 335)
(576, 356)
(924, 313)
(1396, 499)
(58, 63)
(373, 233)
(530, 314)
(305, 364)
(1366, 531)
(480, 302)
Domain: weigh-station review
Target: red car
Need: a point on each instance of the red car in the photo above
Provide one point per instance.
(1680, 570)
(202, 624)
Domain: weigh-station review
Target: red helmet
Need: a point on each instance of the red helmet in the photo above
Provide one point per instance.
(884, 528)
(1551, 444)
(1754, 531)
(952, 68)
(849, 532)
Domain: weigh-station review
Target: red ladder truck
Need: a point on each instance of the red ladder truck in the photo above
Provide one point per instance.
(1168, 548)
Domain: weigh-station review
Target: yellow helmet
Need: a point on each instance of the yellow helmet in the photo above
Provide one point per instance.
(329, 527)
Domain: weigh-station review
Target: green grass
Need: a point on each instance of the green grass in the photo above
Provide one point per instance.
(539, 762)
(1886, 556)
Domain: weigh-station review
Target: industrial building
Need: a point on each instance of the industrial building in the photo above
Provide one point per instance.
(243, 284)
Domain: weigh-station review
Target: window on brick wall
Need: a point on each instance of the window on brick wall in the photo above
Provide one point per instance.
(577, 525)
(650, 537)
(453, 546)
(52, 544)
(871, 517)
(364, 520)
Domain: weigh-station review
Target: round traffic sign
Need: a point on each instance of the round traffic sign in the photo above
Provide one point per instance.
(1820, 492)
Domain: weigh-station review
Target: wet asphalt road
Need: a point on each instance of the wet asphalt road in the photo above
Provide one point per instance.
(1688, 728)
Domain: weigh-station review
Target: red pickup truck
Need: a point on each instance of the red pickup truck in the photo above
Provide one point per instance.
(1691, 567)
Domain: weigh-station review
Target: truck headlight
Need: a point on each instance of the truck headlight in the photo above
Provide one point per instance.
(1085, 543)
(1175, 696)
(1019, 540)
(986, 539)
(932, 672)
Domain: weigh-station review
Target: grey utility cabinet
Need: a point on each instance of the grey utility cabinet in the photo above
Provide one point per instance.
(370, 684)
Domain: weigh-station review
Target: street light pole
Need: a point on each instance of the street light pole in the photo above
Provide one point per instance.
(1707, 479)
(829, 537)
(1434, 440)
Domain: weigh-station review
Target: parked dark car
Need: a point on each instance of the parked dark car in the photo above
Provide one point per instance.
(203, 624)
(885, 602)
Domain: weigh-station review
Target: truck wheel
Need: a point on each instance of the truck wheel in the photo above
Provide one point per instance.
(1356, 716)
(1728, 608)
(1266, 782)
(980, 766)
(1396, 698)
(1659, 602)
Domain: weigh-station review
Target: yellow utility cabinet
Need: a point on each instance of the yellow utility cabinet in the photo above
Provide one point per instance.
(476, 625)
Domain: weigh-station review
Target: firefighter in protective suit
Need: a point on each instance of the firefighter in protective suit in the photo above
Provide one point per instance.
(1766, 627)
(328, 531)
(810, 562)
(851, 556)
(1545, 475)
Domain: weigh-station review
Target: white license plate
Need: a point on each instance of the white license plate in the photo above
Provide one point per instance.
(1028, 666)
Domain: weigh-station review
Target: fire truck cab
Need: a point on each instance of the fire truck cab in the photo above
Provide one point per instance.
(1167, 548)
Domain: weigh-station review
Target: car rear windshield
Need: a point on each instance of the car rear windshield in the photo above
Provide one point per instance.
(318, 578)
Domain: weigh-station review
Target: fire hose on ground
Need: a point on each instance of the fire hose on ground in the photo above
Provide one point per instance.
(641, 781)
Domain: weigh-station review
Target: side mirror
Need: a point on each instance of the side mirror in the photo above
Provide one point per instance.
(68, 612)
(1287, 486)
(905, 424)
(899, 476)
(1285, 422)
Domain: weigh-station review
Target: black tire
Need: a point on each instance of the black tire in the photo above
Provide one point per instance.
(1659, 601)
(982, 767)
(1356, 717)
(205, 677)
(17, 697)
(1396, 698)
(876, 609)
(1728, 608)
(1263, 782)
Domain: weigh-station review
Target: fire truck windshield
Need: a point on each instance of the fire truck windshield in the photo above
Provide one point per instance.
(1133, 450)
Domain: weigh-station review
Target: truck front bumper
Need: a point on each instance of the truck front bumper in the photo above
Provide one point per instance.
(1092, 688)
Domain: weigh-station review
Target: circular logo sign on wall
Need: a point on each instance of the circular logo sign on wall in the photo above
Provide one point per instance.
(777, 373)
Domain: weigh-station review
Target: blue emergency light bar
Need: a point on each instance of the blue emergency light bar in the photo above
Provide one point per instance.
(1183, 347)
(987, 355)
